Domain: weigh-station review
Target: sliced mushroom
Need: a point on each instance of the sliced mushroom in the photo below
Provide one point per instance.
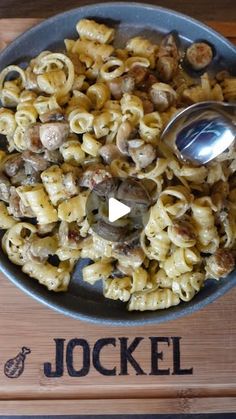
(110, 232)
(14, 203)
(168, 58)
(148, 82)
(4, 188)
(131, 255)
(37, 162)
(163, 96)
(168, 47)
(71, 185)
(110, 152)
(128, 84)
(139, 74)
(13, 164)
(221, 263)
(94, 175)
(32, 179)
(135, 143)
(143, 155)
(166, 68)
(53, 156)
(32, 139)
(26, 176)
(147, 104)
(133, 191)
(107, 187)
(16, 206)
(199, 55)
(115, 86)
(53, 134)
(52, 116)
(182, 234)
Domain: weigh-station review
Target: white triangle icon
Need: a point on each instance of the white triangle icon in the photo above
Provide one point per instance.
(117, 210)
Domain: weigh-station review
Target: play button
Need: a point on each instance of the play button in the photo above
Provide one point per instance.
(117, 210)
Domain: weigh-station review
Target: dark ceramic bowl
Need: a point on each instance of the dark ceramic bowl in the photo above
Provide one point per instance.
(83, 301)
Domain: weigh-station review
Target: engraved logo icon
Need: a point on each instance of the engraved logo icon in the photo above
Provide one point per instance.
(14, 367)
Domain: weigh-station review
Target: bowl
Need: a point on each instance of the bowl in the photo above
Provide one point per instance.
(83, 301)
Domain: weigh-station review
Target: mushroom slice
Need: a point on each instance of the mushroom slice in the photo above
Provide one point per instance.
(166, 68)
(199, 55)
(4, 188)
(163, 96)
(147, 104)
(135, 143)
(115, 86)
(130, 255)
(168, 58)
(107, 187)
(139, 74)
(133, 191)
(94, 175)
(53, 134)
(36, 161)
(110, 152)
(32, 138)
(182, 234)
(53, 156)
(52, 116)
(127, 84)
(17, 207)
(220, 264)
(110, 232)
(13, 164)
(70, 184)
(169, 47)
(142, 155)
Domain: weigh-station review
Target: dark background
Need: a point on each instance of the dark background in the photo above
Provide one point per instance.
(204, 416)
(224, 10)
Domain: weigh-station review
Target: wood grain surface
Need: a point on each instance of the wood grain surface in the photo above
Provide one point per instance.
(200, 9)
(208, 341)
(207, 344)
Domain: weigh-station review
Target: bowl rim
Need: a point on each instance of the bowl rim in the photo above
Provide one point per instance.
(57, 306)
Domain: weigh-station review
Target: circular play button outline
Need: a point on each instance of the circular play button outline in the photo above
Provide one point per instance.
(117, 208)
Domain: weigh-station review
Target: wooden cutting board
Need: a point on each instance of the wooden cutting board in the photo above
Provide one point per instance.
(183, 366)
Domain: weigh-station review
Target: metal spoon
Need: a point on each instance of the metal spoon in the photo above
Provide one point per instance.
(202, 131)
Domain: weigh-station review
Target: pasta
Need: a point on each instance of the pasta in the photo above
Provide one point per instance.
(52, 277)
(36, 198)
(73, 209)
(144, 48)
(93, 31)
(93, 113)
(208, 239)
(6, 220)
(96, 271)
(153, 300)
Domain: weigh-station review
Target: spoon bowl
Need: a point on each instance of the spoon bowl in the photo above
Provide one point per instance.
(202, 131)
